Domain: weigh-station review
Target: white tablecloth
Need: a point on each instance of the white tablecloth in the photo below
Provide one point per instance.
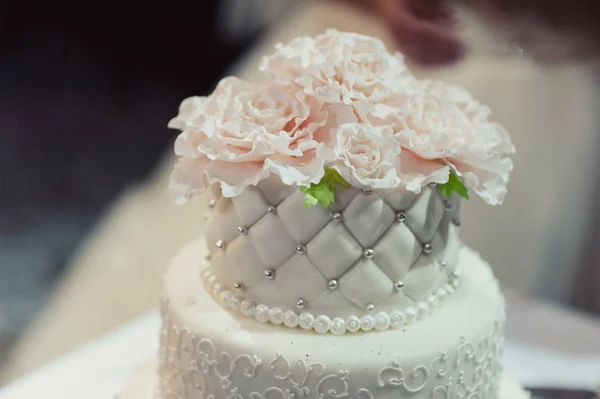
(97, 371)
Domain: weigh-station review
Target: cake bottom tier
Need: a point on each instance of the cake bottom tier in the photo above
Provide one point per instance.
(208, 352)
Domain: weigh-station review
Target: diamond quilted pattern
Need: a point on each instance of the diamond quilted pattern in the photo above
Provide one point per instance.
(400, 201)
(212, 232)
(299, 268)
(397, 251)
(438, 245)
(332, 302)
(452, 250)
(333, 250)
(250, 205)
(343, 197)
(267, 291)
(398, 299)
(454, 206)
(274, 191)
(272, 241)
(365, 284)
(218, 257)
(302, 225)
(367, 218)
(423, 278)
(439, 242)
(425, 215)
(241, 251)
(226, 222)
(334, 247)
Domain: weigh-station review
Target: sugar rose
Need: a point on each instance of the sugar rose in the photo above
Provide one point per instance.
(339, 100)
(445, 124)
(339, 67)
(242, 133)
(367, 156)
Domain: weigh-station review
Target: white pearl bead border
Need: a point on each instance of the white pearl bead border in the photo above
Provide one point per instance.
(322, 323)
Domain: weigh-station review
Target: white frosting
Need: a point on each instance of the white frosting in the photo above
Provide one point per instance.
(206, 351)
(369, 254)
(143, 384)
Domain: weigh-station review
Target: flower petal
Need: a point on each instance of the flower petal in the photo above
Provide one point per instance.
(188, 179)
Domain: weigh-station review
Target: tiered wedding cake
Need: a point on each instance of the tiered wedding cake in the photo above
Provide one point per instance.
(331, 266)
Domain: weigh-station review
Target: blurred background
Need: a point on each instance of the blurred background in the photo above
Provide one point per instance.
(86, 228)
(84, 100)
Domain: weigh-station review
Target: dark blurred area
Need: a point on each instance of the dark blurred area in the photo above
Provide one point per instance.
(86, 91)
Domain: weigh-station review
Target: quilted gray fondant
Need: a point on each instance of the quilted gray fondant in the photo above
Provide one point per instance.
(413, 238)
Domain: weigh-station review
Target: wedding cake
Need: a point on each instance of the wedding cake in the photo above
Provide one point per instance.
(331, 265)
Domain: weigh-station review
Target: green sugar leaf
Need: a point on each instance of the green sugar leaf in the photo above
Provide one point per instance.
(454, 184)
(310, 200)
(324, 192)
(333, 177)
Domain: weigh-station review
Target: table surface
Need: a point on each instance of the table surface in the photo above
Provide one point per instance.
(551, 326)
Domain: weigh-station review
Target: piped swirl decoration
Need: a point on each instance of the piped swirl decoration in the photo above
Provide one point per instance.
(339, 101)
(193, 366)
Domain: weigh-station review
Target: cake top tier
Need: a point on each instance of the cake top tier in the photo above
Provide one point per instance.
(339, 110)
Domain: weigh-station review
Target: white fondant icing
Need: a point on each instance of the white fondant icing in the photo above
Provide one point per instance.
(453, 353)
(143, 384)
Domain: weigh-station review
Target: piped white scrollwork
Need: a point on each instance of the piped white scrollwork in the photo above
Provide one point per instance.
(283, 371)
(192, 367)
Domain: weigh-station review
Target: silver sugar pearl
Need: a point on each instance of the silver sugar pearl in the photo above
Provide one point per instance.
(212, 203)
(300, 303)
(370, 307)
(270, 273)
(272, 210)
(242, 230)
(366, 191)
(238, 286)
(220, 244)
(400, 216)
(337, 217)
(368, 253)
(443, 263)
(456, 223)
(427, 248)
(398, 285)
(332, 284)
(300, 248)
